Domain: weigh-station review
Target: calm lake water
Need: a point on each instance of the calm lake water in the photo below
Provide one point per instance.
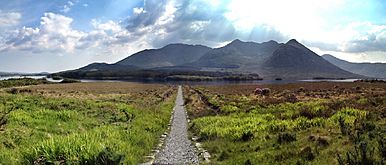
(189, 82)
(219, 82)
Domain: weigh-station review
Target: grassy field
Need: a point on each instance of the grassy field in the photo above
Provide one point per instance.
(82, 123)
(302, 123)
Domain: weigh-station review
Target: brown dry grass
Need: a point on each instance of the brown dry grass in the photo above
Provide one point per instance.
(303, 91)
(99, 87)
(314, 86)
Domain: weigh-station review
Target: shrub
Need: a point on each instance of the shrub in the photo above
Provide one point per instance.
(21, 82)
(248, 162)
(290, 98)
(247, 136)
(360, 155)
(55, 77)
(348, 116)
(382, 148)
(107, 156)
(229, 108)
(343, 127)
(286, 138)
(306, 153)
(265, 92)
(323, 140)
(224, 155)
(67, 80)
(13, 91)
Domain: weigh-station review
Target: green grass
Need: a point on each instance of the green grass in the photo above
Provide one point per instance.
(246, 130)
(41, 129)
(234, 126)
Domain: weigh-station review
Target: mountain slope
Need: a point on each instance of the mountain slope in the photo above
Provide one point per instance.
(295, 60)
(104, 66)
(291, 60)
(170, 55)
(376, 70)
(237, 54)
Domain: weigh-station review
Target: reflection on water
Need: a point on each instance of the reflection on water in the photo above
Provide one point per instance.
(331, 80)
(221, 82)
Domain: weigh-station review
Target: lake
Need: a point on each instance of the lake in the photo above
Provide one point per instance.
(220, 82)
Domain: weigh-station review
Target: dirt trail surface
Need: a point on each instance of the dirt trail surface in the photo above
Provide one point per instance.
(178, 149)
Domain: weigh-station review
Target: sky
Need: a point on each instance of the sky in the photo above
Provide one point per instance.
(57, 35)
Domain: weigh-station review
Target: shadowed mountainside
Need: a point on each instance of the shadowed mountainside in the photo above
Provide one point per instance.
(295, 60)
(237, 54)
(170, 55)
(376, 70)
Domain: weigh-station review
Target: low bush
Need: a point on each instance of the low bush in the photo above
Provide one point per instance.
(22, 82)
(67, 80)
(286, 137)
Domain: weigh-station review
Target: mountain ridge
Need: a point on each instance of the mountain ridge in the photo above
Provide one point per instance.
(294, 58)
(376, 70)
(269, 59)
(165, 56)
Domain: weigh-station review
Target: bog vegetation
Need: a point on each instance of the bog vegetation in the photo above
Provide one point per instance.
(82, 123)
(304, 123)
(22, 82)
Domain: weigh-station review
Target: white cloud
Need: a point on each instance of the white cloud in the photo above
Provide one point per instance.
(8, 19)
(199, 25)
(302, 19)
(168, 15)
(356, 37)
(180, 21)
(138, 10)
(67, 7)
(54, 34)
(364, 36)
(107, 26)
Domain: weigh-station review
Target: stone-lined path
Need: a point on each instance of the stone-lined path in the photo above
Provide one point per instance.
(178, 149)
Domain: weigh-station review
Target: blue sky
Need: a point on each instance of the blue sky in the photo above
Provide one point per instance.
(55, 35)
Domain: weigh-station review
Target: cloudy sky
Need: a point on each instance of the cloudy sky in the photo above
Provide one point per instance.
(54, 35)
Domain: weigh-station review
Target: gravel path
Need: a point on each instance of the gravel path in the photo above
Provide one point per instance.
(178, 149)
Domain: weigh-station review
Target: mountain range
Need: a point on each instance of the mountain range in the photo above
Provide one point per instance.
(376, 70)
(170, 55)
(271, 60)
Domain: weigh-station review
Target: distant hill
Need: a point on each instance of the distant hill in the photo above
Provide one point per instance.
(3, 73)
(271, 59)
(170, 55)
(237, 54)
(295, 60)
(94, 67)
(23, 74)
(376, 70)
